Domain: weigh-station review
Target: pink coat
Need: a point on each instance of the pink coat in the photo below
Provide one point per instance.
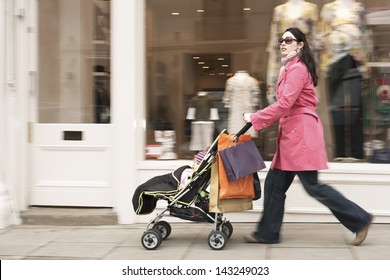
(300, 144)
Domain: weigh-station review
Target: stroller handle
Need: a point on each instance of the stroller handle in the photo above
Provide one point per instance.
(242, 131)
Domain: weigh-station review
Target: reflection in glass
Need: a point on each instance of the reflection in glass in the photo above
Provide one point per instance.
(74, 61)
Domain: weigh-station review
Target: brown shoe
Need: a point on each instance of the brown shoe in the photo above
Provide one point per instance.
(250, 239)
(361, 234)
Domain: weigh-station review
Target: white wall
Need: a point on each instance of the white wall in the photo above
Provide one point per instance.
(128, 117)
(4, 197)
(10, 108)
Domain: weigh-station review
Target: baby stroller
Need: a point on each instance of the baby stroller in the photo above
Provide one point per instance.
(189, 203)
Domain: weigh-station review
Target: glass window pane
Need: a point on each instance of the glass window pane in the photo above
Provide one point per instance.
(74, 61)
(195, 49)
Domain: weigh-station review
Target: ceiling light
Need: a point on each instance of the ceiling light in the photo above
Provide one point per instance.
(175, 14)
(220, 58)
(195, 57)
(200, 11)
(225, 65)
(247, 9)
(201, 62)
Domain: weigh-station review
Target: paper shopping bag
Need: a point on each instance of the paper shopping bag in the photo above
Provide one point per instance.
(241, 188)
(241, 159)
(214, 188)
(217, 205)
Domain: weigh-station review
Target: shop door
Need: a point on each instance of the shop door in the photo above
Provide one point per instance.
(71, 134)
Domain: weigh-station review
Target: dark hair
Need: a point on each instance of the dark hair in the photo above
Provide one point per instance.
(306, 55)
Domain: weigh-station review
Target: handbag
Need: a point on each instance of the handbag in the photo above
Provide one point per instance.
(241, 160)
(241, 188)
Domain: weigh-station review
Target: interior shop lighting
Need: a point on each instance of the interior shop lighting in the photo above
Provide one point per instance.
(175, 13)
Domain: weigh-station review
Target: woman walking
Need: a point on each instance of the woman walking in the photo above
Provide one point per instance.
(300, 145)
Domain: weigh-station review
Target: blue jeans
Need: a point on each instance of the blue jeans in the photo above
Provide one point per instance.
(277, 182)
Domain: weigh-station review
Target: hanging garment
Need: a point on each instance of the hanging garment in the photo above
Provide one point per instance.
(350, 21)
(201, 135)
(242, 95)
(282, 19)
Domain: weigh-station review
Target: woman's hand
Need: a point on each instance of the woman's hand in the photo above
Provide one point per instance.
(247, 117)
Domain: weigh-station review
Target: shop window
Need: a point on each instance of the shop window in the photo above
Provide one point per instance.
(197, 49)
(193, 49)
(74, 61)
(376, 95)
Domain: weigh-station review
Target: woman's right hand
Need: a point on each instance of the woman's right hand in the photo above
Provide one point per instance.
(247, 117)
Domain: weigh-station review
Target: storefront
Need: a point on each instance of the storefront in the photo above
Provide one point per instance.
(100, 96)
(207, 48)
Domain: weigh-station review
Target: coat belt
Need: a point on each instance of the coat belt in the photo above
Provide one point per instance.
(301, 110)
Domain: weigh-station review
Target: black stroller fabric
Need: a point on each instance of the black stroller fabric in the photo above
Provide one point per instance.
(144, 200)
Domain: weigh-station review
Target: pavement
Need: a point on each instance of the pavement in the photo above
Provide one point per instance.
(189, 241)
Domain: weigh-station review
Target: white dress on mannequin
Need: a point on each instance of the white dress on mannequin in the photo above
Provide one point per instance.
(242, 95)
(203, 114)
(342, 27)
(294, 13)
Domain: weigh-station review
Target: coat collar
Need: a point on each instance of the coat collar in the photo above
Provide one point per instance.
(292, 61)
(284, 68)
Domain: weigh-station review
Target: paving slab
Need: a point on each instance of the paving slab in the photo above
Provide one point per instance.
(69, 250)
(189, 241)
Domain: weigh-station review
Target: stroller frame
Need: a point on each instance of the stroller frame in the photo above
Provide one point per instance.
(158, 230)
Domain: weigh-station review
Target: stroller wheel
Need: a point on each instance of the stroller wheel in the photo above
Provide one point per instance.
(217, 239)
(151, 239)
(227, 228)
(164, 228)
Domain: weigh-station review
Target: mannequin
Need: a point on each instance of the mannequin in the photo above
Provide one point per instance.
(242, 94)
(202, 113)
(341, 32)
(345, 105)
(347, 17)
(299, 13)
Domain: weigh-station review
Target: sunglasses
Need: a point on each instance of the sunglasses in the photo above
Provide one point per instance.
(287, 40)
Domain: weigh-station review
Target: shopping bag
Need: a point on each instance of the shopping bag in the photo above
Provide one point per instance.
(217, 205)
(214, 188)
(241, 188)
(241, 160)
